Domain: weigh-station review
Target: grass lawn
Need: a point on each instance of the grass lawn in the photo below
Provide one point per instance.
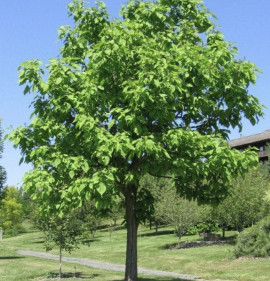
(212, 262)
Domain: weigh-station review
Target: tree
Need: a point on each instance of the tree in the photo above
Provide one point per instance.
(115, 213)
(245, 205)
(65, 232)
(2, 170)
(179, 212)
(158, 189)
(90, 217)
(254, 241)
(11, 212)
(155, 92)
(266, 164)
(169, 207)
(30, 208)
(223, 215)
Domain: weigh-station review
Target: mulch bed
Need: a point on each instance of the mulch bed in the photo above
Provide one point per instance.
(195, 244)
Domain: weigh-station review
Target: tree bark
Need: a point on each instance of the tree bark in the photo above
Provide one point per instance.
(131, 273)
(60, 261)
(223, 232)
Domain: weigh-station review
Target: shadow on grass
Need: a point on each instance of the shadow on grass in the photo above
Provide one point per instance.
(72, 275)
(39, 242)
(163, 279)
(163, 232)
(91, 240)
(170, 246)
(196, 244)
(231, 239)
(10, 258)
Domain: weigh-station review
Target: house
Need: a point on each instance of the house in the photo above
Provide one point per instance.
(258, 140)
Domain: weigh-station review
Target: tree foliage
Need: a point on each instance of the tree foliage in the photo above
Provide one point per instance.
(157, 188)
(64, 232)
(245, 205)
(254, 241)
(90, 218)
(169, 208)
(11, 210)
(179, 212)
(152, 93)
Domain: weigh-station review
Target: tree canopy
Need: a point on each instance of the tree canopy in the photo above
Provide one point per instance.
(155, 92)
(245, 205)
(11, 210)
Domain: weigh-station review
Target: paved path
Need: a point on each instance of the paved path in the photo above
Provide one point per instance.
(106, 266)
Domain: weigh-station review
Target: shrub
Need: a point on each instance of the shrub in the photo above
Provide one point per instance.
(254, 241)
(208, 226)
(14, 231)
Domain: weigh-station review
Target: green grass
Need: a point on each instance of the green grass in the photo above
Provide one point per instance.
(213, 262)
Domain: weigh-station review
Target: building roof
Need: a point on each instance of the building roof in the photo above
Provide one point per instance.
(244, 141)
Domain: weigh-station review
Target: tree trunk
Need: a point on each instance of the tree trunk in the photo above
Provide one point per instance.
(131, 272)
(179, 241)
(223, 232)
(156, 223)
(111, 234)
(179, 234)
(60, 261)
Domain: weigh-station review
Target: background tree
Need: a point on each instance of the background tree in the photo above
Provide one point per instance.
(64, 232)
(254, 241)
(266, 164)
(179, 212)
(11, 211)
(157, 188)
(223, 215)
(115, 213)
(90, 217)
(245, 205)
(30, 208)
(152, 93)
(2, 170)
(170, 209)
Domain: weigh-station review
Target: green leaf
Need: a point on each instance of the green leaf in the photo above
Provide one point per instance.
(88, 196)
(99, 204)
(138, 130)
(101, 188)
(21, 160)
(157, 83)
(71, 174)
(57, 162)
(105, 160)
(85, 167)
(58, 80)
(26, 89)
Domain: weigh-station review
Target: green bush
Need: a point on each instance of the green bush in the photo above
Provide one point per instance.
(14, 231)
(254, 241)
(209, 226)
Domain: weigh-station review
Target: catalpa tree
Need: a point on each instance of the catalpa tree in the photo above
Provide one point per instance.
(154, 92)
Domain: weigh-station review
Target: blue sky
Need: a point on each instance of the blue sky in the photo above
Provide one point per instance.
(28, 29)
